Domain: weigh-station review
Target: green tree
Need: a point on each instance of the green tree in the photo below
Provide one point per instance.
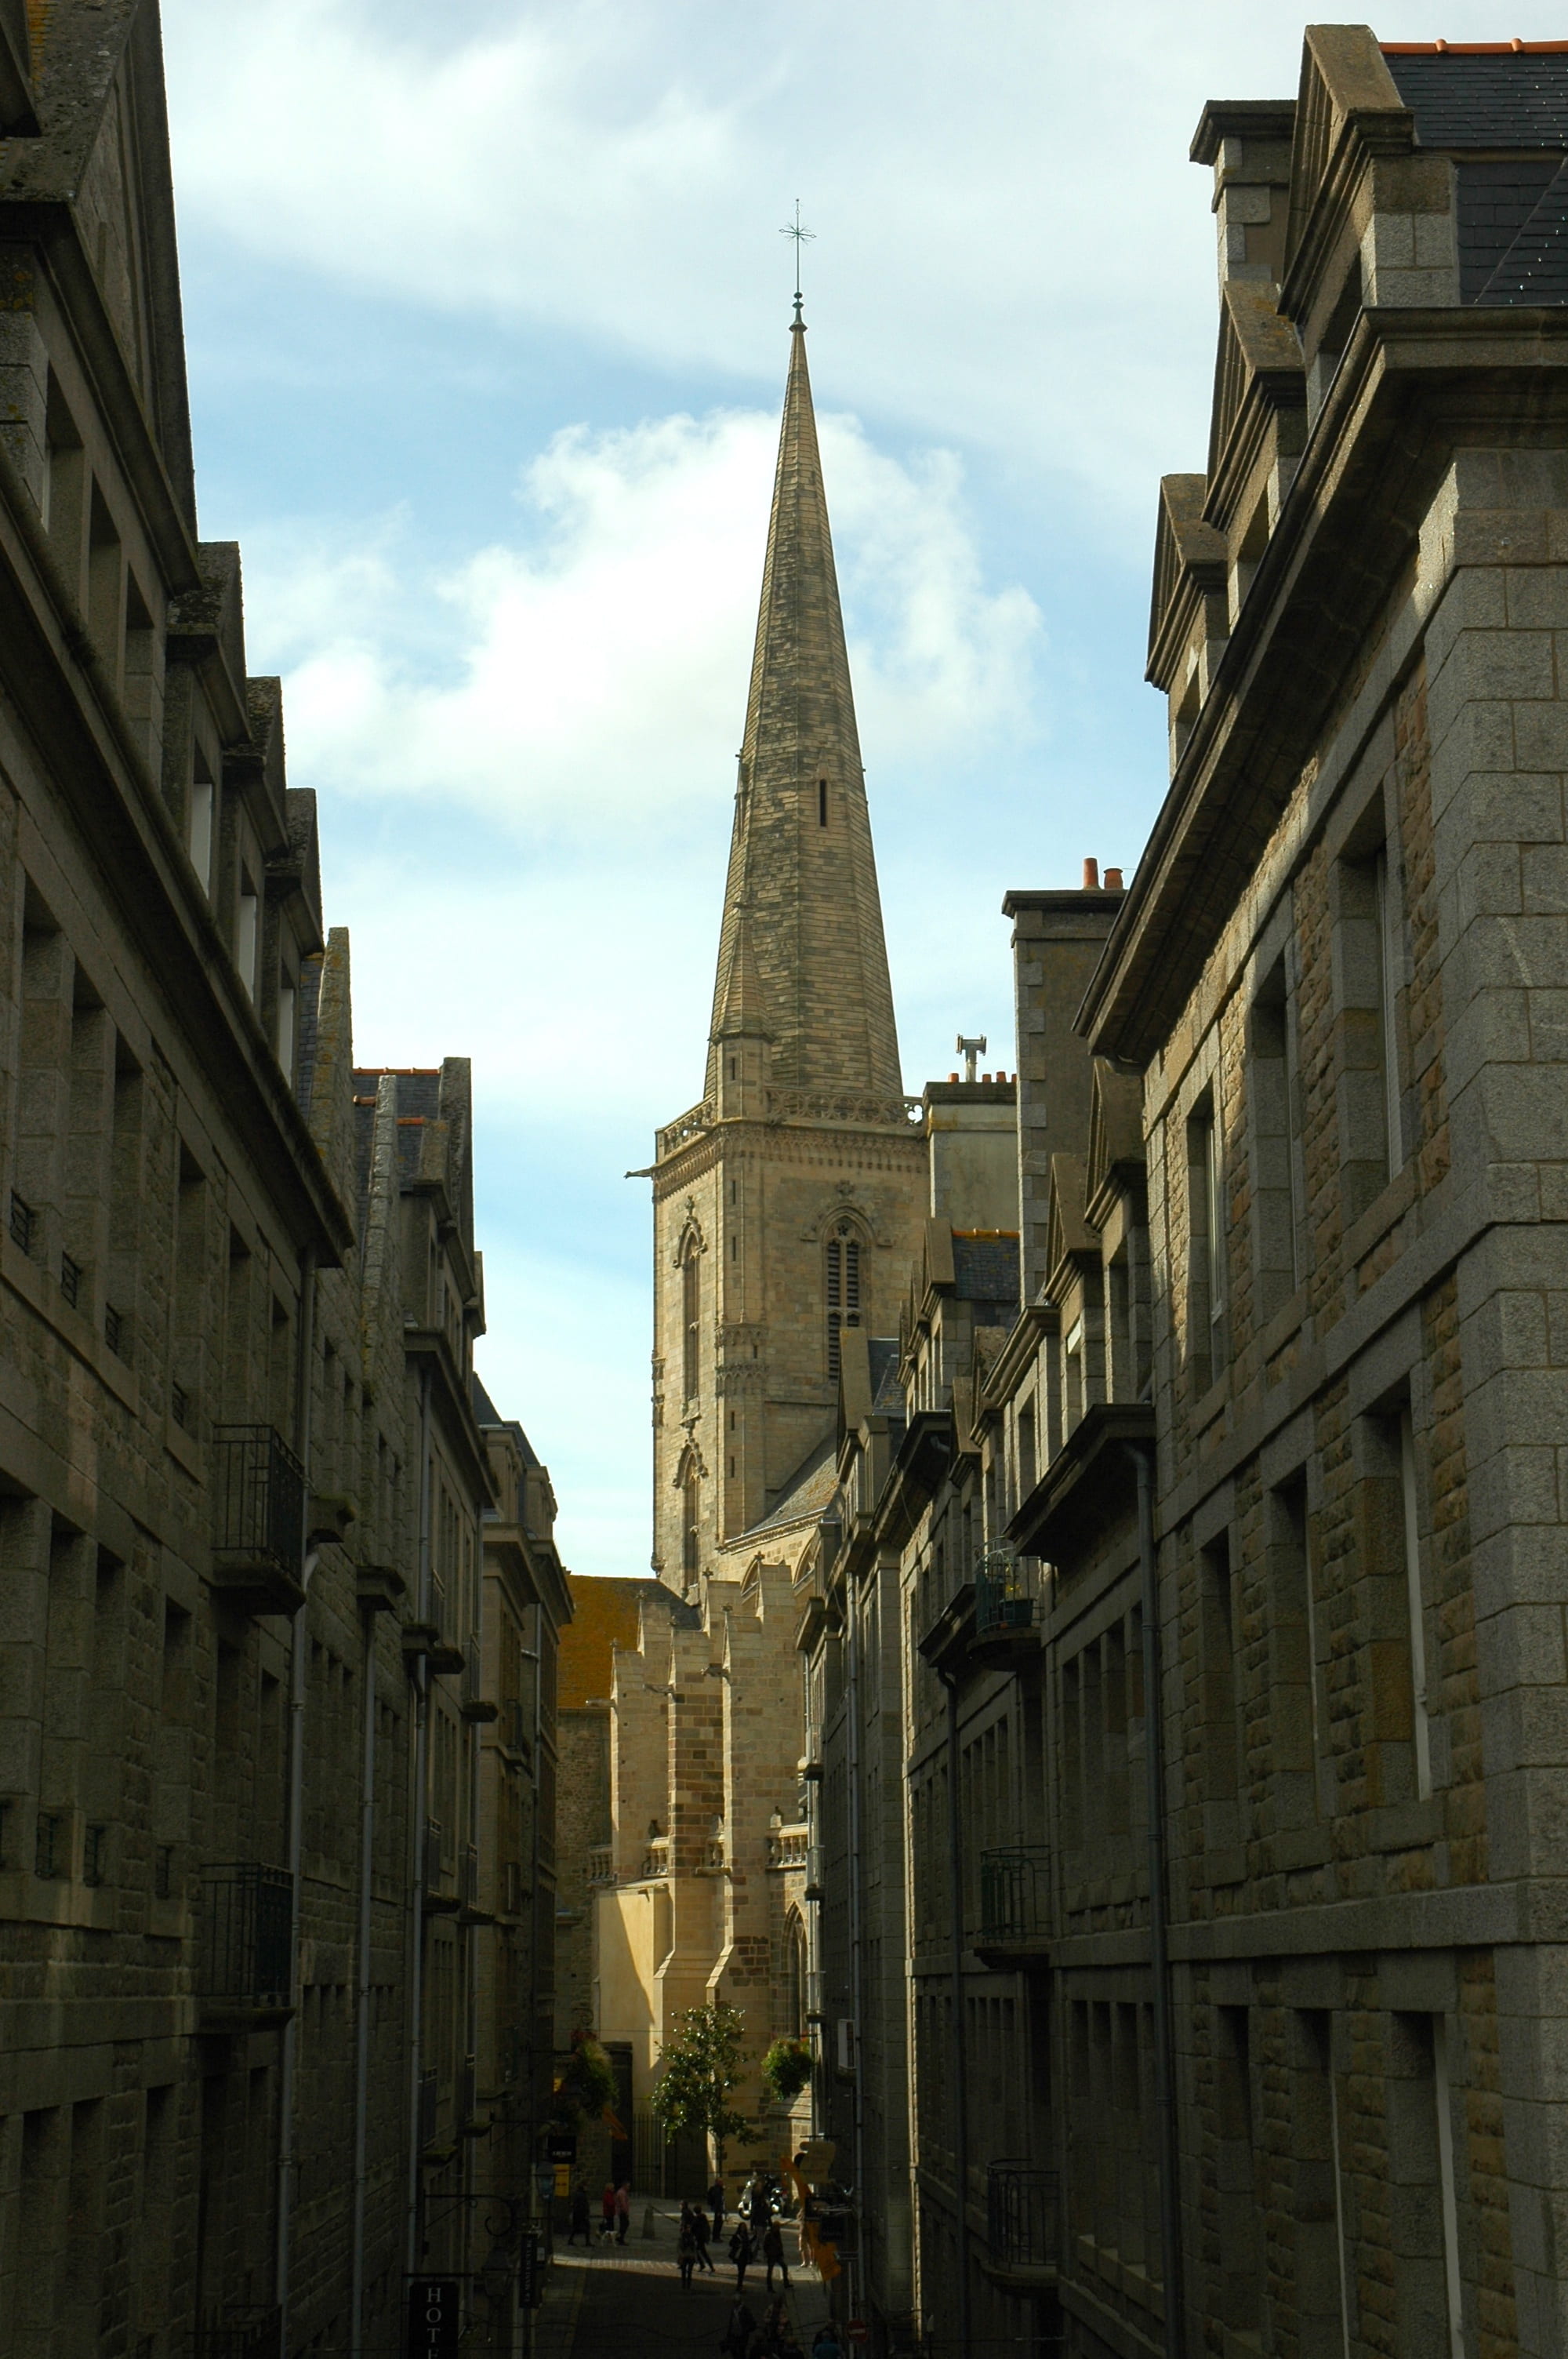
(787, 2069)
(701, 2069)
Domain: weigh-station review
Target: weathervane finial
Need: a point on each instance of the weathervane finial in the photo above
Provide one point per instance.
(802, 237)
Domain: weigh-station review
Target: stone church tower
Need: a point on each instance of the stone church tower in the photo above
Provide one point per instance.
(787, 1203)
(788, 1207)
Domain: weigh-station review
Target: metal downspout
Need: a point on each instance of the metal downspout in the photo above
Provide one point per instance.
(361, 2018)
(297, 1664)
(535, 1912)
(857, 1961)
(1159, 1949)
(959, 2039)
(416, 1839)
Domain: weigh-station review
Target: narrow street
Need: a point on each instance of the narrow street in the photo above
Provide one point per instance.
(628, 2300)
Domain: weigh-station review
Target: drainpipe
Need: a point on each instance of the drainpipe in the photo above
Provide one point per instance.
(1159, 1949)
(960, 2042)
(299, 1659)
(417, 1845)
(535, 1654)
(857, 1994)
(361, 2019)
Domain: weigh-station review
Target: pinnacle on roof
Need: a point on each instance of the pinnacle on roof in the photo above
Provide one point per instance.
(801, 864)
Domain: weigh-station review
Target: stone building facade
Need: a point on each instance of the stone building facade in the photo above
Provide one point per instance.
(1248, 1808)
(241, 1482)
(787, 1208)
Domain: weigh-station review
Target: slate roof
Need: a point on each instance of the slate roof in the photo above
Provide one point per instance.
(986, 1270)
(1492, 98)
(1513, 209)
(1535, 267)
(805, 1494)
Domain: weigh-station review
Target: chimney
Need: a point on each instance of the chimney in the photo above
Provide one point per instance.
(1113, 880)
(1091, 876)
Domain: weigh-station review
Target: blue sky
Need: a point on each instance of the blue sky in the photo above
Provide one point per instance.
(486, 309)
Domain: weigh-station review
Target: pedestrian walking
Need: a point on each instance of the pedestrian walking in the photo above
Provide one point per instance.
(623, 2210)
(607, 2213)
(758, 2203)
(699, 2230)
(716, 2205)
(741, 2253)
(774, 2253)
(739, 2333)
(685, 2248)
(580, 2223)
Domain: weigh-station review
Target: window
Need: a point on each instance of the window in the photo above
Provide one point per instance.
(286, 991)
(1389, 966)
(247, 935)
(1369, 972)
(1222, 1724)
(199, 833)
(690, 1506)
(1238, 2221)
(1296, 1702)
(821, 802)
(1421, 1726)
(1275, 1106)
(844, 1305)
(691, 1314)
(1205, 1249)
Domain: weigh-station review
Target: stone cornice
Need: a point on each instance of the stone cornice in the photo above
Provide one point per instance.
(1412, 382)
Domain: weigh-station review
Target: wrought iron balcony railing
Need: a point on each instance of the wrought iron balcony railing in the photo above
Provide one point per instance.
(245, 1956)
(258, 1530)
(236, 2332)
(1003, 1601)
(1015, 1895)
(1021, 2216)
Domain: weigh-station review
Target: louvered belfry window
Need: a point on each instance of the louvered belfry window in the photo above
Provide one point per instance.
(843, 1290)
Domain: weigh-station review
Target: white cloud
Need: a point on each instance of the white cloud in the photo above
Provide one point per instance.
(590, 675)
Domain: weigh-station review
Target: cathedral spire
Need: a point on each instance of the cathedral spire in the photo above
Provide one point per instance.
(801, 864)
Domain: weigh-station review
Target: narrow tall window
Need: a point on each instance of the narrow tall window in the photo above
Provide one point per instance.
(199, 836)
(1448, 2191)
(843, 1290)
(688, 1520)
(1276, 1143)
(1420, 1730)
(286, 1028)
(247, 934)
(1295, 1707)
(1205, 1249)
(1220, 1683)
(691, 1314)
(821, 802)
(1389, 962)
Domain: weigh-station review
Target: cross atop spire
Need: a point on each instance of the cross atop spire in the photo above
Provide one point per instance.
(802, 914)
(802, 237)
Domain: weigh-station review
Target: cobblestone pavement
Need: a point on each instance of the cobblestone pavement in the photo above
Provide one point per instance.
(626, 2300)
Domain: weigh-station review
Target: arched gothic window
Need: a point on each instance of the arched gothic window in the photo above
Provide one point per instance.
(795, 1978)
(689, 1508)
(691, 1313)
(844, 1305)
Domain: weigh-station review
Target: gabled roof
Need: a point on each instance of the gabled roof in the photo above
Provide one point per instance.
(94, 71)
(1116, 1127)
